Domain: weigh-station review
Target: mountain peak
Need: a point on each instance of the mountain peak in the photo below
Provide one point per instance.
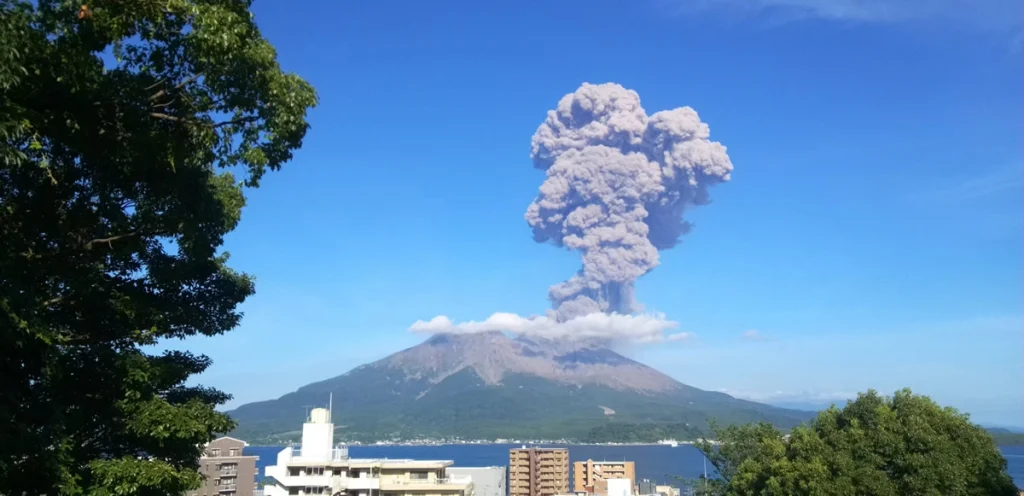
(490, 385)
(493, 356)
(464, 338)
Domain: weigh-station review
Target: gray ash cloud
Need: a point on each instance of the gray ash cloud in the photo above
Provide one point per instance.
(618, 185)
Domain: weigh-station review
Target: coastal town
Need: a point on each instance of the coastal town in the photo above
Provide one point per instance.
(320, 466)
(458, 440)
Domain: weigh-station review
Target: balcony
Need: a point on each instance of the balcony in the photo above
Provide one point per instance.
(422, 484)
(335, 455)
(281, 474)
(226, 487)
(361, 482)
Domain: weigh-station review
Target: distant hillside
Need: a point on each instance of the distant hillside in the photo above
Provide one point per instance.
(1005, 437)
(488, 386)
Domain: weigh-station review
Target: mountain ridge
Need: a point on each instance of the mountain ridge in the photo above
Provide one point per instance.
(489, 386)
(492, 355)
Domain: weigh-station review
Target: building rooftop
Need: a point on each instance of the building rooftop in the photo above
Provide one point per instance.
(339, 456)
(400, 461)
(227, 438)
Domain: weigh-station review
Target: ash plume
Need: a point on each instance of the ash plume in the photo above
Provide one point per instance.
(618, 185)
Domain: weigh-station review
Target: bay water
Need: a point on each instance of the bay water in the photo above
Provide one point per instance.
(662, 464)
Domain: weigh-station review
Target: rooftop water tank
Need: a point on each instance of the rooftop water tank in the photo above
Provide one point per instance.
(320, 416)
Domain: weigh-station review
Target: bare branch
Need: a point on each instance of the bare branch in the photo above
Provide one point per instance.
(160, 115)
(154, 85)
(110, 241)
(158, 94)
(179, 86)
(49, 173)
(189, 80)
(239, 120)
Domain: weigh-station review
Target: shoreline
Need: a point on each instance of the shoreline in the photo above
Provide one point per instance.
(494, 443)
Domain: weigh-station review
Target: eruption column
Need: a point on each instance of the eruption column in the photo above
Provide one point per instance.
(618, 184)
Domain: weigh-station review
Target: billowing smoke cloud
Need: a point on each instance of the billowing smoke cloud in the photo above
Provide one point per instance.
(599, 326)
(618, 183)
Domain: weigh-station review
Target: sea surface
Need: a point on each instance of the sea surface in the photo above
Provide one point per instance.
(657, 463)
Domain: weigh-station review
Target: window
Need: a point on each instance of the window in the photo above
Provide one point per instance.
(294, 472)
(234, 451)
(293, 490)
(418, 475)
(215, 452)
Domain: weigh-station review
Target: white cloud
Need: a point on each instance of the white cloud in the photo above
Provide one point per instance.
(647, 328)
(988, 184)
(752, 335)
(991, 323)
(992, 15)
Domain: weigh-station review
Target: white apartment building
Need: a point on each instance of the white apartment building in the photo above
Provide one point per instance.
(487, 481)
(318, 467)
(620, 487)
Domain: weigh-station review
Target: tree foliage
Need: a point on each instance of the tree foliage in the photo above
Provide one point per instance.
(128, 132)
(904, 444)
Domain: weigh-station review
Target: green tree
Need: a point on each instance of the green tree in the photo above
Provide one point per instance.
(128, 132)
(899, 445)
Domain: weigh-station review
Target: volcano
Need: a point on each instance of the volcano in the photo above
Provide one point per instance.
(491, 386)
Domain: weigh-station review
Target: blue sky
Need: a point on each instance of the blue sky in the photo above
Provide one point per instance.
(871, 233)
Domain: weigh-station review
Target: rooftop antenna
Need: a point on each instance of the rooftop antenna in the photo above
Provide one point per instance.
(705, 472)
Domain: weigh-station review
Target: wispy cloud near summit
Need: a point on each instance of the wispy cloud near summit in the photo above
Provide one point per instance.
(998, 15)
(611, 327)
(986, 185)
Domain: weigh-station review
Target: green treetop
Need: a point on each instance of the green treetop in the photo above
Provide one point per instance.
(128, 132)
(899, 445)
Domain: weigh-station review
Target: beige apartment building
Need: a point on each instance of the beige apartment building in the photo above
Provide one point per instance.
(538, 471)
(225, 470)
(591, 477)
